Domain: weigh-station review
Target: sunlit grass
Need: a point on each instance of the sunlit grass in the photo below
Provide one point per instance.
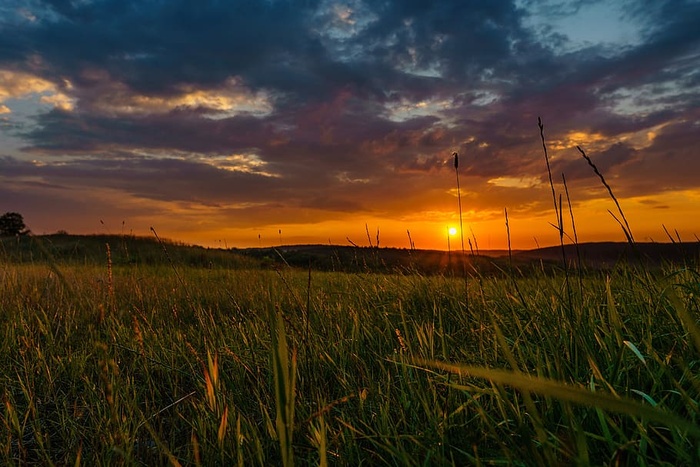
(216, 367)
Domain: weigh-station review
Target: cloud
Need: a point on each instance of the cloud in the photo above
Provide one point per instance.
(16, 85)
(323, 108)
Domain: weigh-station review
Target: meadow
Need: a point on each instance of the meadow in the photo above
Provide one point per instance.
(140, 353)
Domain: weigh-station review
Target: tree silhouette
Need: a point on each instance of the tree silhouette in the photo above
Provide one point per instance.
(12, 223)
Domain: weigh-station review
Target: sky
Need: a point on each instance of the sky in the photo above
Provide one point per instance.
(260, 123)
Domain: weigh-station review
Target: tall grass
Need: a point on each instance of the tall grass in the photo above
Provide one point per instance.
(198, 377)
(623, 223)
(284, 372)
(463, 256)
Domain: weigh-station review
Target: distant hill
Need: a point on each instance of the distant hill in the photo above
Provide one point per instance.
(593, 256)
(607, 254)
(124, 249)
(127, 249)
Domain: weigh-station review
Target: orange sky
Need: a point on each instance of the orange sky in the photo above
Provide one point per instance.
(429, 230)
(593, 224)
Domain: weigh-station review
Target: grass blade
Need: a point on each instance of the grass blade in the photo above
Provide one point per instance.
(567, 392)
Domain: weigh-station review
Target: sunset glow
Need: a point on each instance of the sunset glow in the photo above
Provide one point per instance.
(118, 116)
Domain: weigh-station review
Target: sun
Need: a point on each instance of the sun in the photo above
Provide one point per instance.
(452, 231)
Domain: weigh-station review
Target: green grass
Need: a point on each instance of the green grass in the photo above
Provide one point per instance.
(206, 364)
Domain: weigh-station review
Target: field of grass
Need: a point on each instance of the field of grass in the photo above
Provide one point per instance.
(220, 362)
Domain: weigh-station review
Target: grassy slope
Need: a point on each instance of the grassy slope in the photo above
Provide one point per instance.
(156, 364)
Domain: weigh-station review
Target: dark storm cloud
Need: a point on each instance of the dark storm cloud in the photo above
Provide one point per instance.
(669, 163)
(186, 180)
(63, 132)
(346, 86)
(461, 39)
(154, 46)
(608, 162)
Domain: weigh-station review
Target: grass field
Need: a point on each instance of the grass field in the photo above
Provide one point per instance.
(172, 360)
